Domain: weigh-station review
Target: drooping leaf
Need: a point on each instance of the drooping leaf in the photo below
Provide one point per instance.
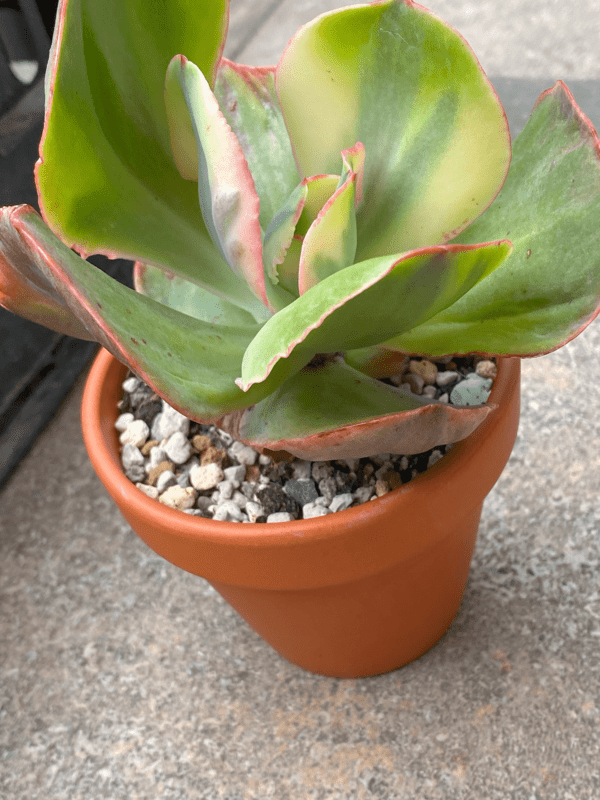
(250, 105)
(360, 305)
(114, 188)
(398, 79)
(189, 362)
(24, 289)
(333, 411)
(226, 189)
(548, 290)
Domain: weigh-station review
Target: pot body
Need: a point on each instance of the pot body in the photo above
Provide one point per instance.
(355, 593)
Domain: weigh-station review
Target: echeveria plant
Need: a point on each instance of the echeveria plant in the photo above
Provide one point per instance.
(297, 229)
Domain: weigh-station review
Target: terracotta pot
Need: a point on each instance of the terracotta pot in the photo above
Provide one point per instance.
(350, 594)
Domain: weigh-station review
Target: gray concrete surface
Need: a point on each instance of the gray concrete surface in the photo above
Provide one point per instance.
(125, 678)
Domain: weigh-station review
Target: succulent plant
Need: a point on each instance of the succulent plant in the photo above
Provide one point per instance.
(298, 229)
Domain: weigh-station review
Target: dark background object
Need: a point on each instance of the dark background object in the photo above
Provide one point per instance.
(37, 366)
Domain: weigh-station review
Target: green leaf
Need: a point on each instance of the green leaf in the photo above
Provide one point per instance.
(24, 289)
(360, 306)
(191, 363)
(282, 286)
(177, 293)
(548, 290)
(107, 180)
(333, 411)
(251, 107)
(226, 189)
(398, 79)
(330, 242)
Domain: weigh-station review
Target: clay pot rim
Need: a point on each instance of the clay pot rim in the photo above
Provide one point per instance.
(101, 441)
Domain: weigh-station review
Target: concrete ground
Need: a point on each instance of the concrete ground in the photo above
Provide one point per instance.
(123, 677)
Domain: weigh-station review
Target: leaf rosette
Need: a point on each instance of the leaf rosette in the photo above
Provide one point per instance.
(297, 229)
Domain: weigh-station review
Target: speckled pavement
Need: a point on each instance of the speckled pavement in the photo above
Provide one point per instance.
(122, 677)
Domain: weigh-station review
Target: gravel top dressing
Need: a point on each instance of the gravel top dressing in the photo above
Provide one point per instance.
(201, 470)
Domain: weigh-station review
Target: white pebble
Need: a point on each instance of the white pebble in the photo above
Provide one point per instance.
(130, 385)
(131, 456)
(446, 378)
(157, 456)
(264, 460)
(178, 448)
(149, 491)
(434, 458)
(254, 510)
(177, 497)
(280, 516)
(363, 493)
(235, 474)
(123, 420)
(169, 422)
(429, 391)
(225, 489)
(243, 453)
(310, 510)
(206, 476)
(230, 510)
(135, 433)
(341, 502)
(164, 480)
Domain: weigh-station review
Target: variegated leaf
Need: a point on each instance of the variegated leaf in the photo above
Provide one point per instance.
(330, 242)
(226, 189)
(250, 105)
(548, 290)
(333, 411)
(360, 305)
(177, 293)
(113, 188)
(189, 362)
(395, 77)
(24, 289)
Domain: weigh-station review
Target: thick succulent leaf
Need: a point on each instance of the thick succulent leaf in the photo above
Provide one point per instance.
(287, 271)
(189, 362)
(330, 242)
(405, 84)
(353, 160)
(333, 411)
(250, 105)
(24, 289)
(320, 189)
(360, 305)
(226, 189)
(177, 293)
(106, 179)
(282, 288)
(548, 290)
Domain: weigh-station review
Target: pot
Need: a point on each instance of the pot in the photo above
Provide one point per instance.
(350, 594)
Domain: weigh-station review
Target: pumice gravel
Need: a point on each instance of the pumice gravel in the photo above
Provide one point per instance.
(201, 470)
